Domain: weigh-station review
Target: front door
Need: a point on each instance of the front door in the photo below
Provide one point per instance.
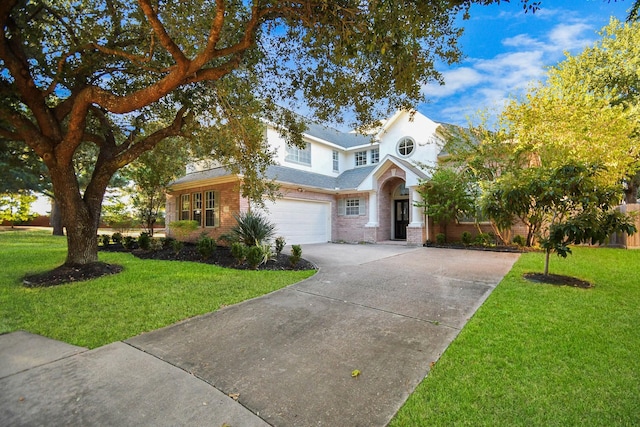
(401, 219)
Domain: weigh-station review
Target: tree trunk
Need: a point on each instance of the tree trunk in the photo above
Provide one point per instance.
(80, 215)
(82, 243)
(546, 262)
(56, 218)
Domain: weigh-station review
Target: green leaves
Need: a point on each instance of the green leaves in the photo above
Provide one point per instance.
(446, 195)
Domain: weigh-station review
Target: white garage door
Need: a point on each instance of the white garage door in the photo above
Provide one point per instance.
(301, 221)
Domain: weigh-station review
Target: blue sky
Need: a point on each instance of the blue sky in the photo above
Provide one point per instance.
(507, 50)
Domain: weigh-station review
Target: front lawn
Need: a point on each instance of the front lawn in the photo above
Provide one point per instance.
(543, 355)
(147, 295)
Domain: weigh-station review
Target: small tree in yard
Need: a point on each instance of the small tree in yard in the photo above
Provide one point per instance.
(445, 196)
(580, 210)
(567, 205)
(151, 174)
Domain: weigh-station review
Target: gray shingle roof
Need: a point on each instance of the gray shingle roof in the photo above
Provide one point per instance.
(347, 180)
(295, 176)
(343, 139)
(202, 175)
(354, 177)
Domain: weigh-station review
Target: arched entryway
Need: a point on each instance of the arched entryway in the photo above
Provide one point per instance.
(394, 208)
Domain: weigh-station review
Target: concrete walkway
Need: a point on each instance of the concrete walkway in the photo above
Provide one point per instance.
(387, 311)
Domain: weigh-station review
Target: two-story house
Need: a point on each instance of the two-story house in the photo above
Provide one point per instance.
(339, 187)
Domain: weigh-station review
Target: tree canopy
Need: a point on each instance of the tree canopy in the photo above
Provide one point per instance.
(587, 110)
(580, 126)
(446, 196)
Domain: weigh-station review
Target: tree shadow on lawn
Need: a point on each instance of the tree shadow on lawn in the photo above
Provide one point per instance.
(557, 280)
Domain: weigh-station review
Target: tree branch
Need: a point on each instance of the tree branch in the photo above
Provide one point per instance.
(15, 59)
(127, 155)
(163, 37)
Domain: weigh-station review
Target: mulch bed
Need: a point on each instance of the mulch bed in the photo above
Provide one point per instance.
(557, 280)
(70, 274)
(221, 257)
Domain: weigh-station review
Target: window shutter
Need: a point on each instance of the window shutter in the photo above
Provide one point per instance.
(362, 206)
(216, 208)
(342, 210)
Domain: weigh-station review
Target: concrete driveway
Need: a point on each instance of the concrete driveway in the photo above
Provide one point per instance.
(387, 311)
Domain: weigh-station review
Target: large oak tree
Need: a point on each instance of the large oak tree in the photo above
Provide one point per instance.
(95, 71)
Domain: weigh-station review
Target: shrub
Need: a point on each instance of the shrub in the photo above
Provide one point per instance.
(280, 243)
(483, 239)
(267, 253)
(105, 239)
(519, 240)
(183, 228)
(116, 237)
(252, 229)
(239, 252)
(441, 239)
(254, 256)
(467, 238)
(167, 242)
(206, 246)
(144, 241)
(155, 244)
(176, 245)
(296, 254)
(128, 242)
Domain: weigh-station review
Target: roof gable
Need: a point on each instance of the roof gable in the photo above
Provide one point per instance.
(413, 175)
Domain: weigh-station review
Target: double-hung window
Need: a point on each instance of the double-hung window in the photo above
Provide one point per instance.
(197, 207)
(361, 158)
(296, 154)
(185, 207)
(200, 207)
(211, 217)
(375, 156)
(351, 206)
(336, 161)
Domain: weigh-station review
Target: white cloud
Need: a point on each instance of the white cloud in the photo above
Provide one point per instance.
(489, 82)
(567, 37)
(456, 80)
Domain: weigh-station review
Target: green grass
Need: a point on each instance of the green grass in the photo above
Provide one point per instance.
(542, 355)
(147, 295)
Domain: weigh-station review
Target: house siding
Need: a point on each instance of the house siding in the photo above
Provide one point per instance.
(352, 228)
(229, 203)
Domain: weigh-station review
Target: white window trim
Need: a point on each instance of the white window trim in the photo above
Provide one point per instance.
(215, 209)
(362, 156)
(362, 207)
(200, 205)
(404, 141)
(377, 160)
(185, 198)
(294, 153)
